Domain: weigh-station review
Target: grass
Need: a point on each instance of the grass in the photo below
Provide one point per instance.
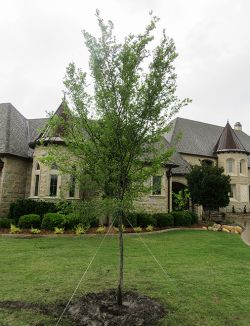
(207, 281)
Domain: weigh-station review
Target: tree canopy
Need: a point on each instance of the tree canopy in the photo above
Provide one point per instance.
(114, 134)
(209, 186)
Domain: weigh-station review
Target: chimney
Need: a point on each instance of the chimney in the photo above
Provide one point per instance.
(237, 126)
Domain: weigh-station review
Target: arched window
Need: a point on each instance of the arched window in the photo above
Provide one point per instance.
(230, 165)
(53, 180)
(242, 166)
(37, 180)
(72, 183)
(1, 165)
(54, 166)
(207, 162)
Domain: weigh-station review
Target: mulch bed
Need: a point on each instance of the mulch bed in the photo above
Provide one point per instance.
(100, 309)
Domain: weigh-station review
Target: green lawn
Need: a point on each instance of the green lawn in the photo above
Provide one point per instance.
(208, 281)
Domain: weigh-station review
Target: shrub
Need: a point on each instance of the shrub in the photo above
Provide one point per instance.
(52, 220)
(72, 220)
(58, 230)
(80, 229)
(29, 221)
(101, 229)
(35, 231)
(5, 222)
(14, 229)
(117, 229)
(164, 219)
(182, 218)
(138, 229)
(28, 206)
(149, 228)
(130, 219)
(194, 217)
(145, 219)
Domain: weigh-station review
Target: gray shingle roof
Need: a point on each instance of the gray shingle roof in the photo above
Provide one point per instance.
(199, 138)
(16, 131)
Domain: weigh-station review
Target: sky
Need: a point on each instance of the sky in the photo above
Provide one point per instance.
(39, 38)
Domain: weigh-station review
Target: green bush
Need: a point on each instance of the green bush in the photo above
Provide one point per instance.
(5, 222)
(194, 217)
(76, 218)
(182, 218)
(164, 219)
(53, 220)
(130, 218)
(145, 219)
(28, 206)
(29, 221)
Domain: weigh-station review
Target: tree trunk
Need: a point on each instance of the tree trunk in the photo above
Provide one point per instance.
(120, 281)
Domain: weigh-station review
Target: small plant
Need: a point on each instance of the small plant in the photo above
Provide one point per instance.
(35, 231)
(138, 229)
(80, 229)
(149, 228)
(58, 230)
(14, 229)
(117, 229)
(101, 229)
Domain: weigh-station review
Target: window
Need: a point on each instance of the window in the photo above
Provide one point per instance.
(53, 185)
(207, 162)
(156, 186)
(72, 186)
(230, 165)
(37, 177)
(242, 166)
(36, 180)
(232, 191)
(54, 166)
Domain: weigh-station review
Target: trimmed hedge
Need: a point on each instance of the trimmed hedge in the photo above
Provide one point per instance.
(74, 219)
(182, 218)
(52, 220)
(28, 206)
(145, 219)
(164, 219)
(194, 217)
(6, 222)
(29, 221)
(131, 218)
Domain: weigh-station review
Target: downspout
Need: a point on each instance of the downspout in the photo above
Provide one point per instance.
(169, 174)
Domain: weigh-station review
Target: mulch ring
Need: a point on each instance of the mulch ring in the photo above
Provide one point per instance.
(100, 309)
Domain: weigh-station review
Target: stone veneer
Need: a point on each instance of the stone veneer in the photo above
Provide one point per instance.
(13, 181)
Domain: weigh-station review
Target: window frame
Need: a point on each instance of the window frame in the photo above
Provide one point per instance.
(155, 191)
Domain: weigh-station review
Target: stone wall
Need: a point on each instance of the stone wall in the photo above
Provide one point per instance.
(44, 178)
(13, 181)
(154, 203)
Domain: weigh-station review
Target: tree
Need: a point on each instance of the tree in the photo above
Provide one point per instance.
(114, 135)
(209, 186)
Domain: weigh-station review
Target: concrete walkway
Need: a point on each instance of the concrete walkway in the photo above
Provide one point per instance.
(245, 235)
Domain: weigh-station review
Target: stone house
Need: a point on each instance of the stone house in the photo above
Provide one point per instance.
(23, 176)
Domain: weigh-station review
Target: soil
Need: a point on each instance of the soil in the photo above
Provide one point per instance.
(97, 309)
(100, 309)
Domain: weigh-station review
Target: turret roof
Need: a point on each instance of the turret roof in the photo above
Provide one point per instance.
(229, 142)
